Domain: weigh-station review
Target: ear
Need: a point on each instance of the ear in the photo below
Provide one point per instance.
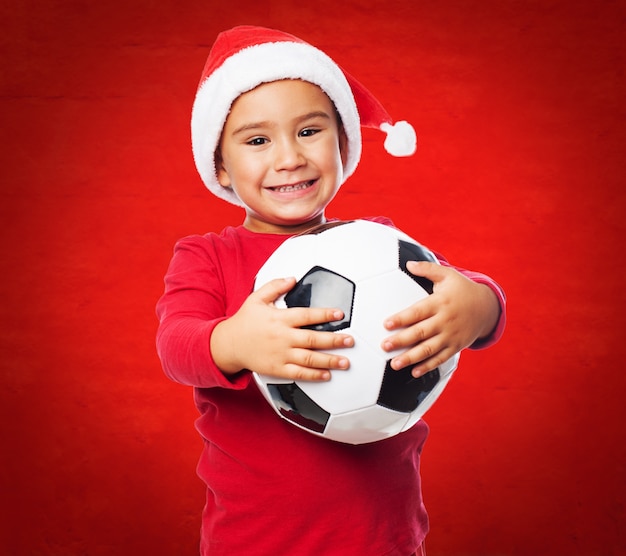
(343, 145)
(222, 175)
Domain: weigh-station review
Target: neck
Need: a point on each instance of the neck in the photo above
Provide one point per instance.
(285, 229)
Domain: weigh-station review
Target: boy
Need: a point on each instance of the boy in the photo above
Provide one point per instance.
(276, 130)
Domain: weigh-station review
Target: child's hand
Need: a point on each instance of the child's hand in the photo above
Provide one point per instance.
(458, 312)
(269, 341)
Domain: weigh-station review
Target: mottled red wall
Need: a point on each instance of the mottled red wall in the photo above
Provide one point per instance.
(519, 108)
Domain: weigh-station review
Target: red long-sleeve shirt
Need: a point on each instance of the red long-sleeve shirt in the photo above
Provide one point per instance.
(272, 488)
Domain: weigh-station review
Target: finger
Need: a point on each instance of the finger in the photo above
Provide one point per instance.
(416, 313)
(431, 363)
(296, 372)
(424, 358)
(314, 367)
(324, 340)
(409, 337)
(417, 354)
(271, 291)
(433, 271)
(321, 361)
(301, 317)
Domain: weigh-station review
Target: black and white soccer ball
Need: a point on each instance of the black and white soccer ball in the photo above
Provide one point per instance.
(358, 266)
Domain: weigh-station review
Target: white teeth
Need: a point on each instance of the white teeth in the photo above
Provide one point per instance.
(296, 187)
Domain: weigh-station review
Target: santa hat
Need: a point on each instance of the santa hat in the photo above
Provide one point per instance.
(247, 56)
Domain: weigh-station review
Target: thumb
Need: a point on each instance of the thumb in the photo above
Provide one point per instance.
(431, 271)
(271, 291)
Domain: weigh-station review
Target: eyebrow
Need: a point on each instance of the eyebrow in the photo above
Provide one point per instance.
(260, 125)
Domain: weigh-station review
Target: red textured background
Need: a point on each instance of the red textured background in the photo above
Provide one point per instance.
(519, 108)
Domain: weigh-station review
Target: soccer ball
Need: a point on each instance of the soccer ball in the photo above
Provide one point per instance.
(358, 266)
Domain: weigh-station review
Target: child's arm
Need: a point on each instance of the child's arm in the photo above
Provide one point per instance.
(459, 313)
(260, 337)
(268, 340)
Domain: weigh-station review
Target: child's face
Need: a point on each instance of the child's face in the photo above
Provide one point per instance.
(282, 152)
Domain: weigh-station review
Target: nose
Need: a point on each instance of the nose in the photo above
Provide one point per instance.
(288, 154)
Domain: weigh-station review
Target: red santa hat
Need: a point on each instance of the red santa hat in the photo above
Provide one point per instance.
(247, 56)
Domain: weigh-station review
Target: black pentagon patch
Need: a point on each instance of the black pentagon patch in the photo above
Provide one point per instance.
(293, 404)
(323, 227)
(401, 391)
(411, 252)
(320, 287)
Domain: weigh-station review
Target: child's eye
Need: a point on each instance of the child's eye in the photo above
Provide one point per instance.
(257, 141)
(309, 132)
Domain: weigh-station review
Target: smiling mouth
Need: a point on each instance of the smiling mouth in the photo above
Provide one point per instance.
(293, 187)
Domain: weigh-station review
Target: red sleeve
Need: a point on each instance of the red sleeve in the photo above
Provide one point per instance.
(188, 311)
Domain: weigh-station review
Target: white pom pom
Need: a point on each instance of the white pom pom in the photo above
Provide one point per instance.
(401, 139)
